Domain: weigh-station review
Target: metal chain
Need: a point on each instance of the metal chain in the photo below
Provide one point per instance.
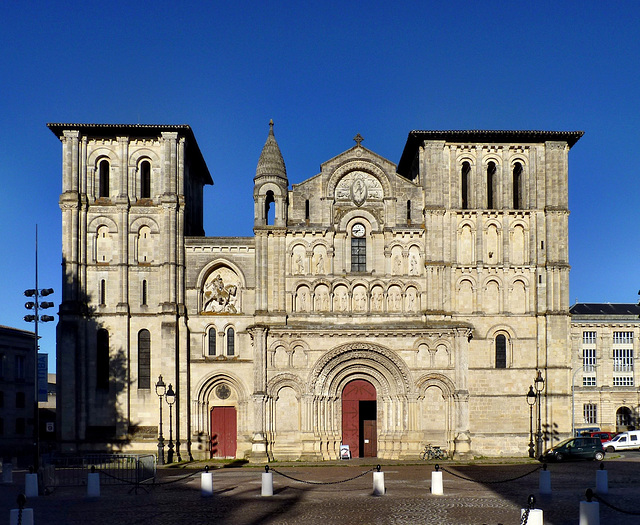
(498, 481)
(321, 482)
(618, 509)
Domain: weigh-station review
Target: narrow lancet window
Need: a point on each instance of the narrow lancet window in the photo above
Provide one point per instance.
(103, 178)
(517, 186)
(501, 351)
(491, 181)
(464, 185)
(145, 179)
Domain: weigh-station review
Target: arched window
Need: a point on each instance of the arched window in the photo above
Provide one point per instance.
(103, 292)
(517, 186)
(102, 359)
(231, 341)
(144, 293)
(103, 178)
(491, 185)
(269, 210)
(145, 179)
(501, 351)
(464, 185)
(144, 359)
(212, 335)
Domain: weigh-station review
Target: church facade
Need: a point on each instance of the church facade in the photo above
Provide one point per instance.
(379, 306)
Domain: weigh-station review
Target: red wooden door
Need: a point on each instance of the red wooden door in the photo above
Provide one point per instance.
(370, 432)
(352, 394)
(223, 432)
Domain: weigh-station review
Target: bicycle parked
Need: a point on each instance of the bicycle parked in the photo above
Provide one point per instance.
(431, 452)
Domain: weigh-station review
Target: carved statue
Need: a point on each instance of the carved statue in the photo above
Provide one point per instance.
(219, 297)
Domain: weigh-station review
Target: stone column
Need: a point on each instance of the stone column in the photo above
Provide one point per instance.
(462, 433)
(259, 451)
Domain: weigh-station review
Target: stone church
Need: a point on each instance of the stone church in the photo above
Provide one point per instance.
(377, 305)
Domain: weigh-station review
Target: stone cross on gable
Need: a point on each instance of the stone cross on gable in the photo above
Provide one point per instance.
(358, 138)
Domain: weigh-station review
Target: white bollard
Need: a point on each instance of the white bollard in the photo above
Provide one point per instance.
(267, 483)
(602, 481)
(545, 481)
(27, 517)
(93, 484)
(589, 513)
(206, 483)
(535, 516)
(378, 483)
(437, 488)
(31, 485)
(7, 473)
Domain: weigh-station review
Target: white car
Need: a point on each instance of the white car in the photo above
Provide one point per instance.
(624, 441)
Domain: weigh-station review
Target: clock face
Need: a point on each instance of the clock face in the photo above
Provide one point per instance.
(358, 230)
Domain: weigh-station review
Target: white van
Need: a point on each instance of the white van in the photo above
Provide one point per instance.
(624, 441)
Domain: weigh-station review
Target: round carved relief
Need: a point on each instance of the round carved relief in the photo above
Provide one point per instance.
(223, 392)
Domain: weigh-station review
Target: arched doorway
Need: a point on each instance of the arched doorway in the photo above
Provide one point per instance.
(624, 419)
(359, 418)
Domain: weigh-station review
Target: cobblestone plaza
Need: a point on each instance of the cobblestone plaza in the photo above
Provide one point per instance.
(473, 494)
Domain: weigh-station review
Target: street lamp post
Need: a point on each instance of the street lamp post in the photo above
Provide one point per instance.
(36, 318)
(531, 400)
(170, 396)
(539, 383)
(160, 390)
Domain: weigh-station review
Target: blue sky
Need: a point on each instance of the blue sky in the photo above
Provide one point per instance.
(323, 71)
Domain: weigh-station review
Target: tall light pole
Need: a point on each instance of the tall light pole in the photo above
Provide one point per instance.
(170, 396)
(36, 318)
(531, 400)
(539, 382)
(160, 390)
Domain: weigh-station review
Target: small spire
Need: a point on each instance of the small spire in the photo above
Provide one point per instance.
(271, 161)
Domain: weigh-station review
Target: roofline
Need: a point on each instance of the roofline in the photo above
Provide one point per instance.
(135, 130)
(474, 136)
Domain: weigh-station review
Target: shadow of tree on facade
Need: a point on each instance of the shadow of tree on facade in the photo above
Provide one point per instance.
(93, 378)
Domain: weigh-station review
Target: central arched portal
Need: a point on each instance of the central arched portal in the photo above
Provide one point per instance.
(359, 418)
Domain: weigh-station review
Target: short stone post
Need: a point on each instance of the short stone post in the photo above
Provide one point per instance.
(267, 482)
(7, 473)
(545, 480)
(93, 483)
(602, 480)
(21, 516)
(31, 484)
(206, 483)
(589, 510)
(378, 482)
(535, 516)
(437, 488)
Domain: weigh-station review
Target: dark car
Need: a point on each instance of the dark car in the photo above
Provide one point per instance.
(584, 447)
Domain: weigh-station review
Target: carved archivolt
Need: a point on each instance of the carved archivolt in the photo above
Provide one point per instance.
(209, 384)
(392, 372)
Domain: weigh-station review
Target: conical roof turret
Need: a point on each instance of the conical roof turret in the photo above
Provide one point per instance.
(271, 161)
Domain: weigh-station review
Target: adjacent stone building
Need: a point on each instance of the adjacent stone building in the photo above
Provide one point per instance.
(604, 339)
(377, 305)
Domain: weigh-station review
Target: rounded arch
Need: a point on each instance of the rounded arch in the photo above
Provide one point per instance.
(299, 243)
(144, 221)
(360, 360)
(102, 220)
(261, 190)
(284, 380)
(215, 265)
(138, 155)
(359, 215)
(444, 383)
(102, 153)
(360, 165)
(207, 385)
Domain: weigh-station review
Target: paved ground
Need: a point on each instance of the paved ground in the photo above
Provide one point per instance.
(483, 498)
